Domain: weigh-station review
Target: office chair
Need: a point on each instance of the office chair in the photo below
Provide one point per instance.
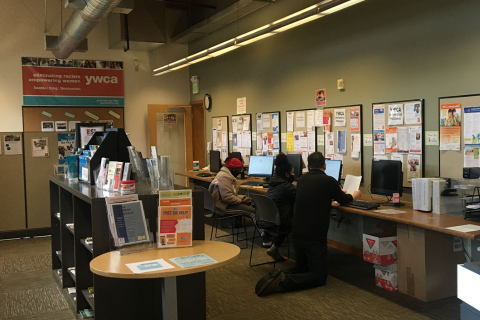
(209, 205)
(268, 218)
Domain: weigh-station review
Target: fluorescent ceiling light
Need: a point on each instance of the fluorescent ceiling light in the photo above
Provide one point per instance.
(252, 32)
(296, 14)
(342, 6)
(299, 22)
(159, 74)
(201, 59)
(196, 54)
(220, 45)
(161, 68)
(181, 66)
(220, 52)
(260, 37)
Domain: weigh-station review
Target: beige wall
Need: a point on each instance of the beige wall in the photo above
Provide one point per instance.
(22, 34)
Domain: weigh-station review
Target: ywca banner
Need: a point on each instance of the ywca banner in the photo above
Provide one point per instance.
(57, 82)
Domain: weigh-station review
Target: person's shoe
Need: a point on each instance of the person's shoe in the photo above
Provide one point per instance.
(267, 244)
(272, 285)
(275, 254)
(265, 278)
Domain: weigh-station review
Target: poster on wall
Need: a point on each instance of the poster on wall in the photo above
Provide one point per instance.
(470, 157)
(13, 144)
(40, 147)
(354, 119)
(340, 118)
(395, 114)
(378, 141)
(450, 126)
(170, 118)
(66, 141)
(379, 117)
(391, 143)
(58, 82)
(320, 97)
(413, 113)
(471, 126)
(413, 161)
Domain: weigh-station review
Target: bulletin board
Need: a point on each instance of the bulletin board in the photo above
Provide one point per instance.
(303, 138)
(242, 135)
(411, 120)
(33, 116)
(220, 136)
(268, 133)
(351, 130)
(452, 161)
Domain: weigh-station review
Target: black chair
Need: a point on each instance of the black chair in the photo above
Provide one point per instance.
(268, 218)
(209, 205)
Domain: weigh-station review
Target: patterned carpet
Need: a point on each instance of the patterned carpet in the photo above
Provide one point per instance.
(28, 290)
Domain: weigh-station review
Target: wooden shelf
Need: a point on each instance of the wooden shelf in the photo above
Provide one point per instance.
(90, 300)
(89, 247)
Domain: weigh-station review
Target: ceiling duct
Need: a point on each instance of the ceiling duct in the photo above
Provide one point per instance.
(79, 25)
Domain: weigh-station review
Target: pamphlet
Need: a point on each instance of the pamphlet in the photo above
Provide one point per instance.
(175, 219)
(193, 261)
(354, 119)
(450, 126)
(290, 121)
(150, 265)
(342, 141)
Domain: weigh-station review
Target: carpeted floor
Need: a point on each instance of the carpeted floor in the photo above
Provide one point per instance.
(28, 290)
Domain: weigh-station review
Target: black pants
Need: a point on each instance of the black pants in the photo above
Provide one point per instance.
(311, 266)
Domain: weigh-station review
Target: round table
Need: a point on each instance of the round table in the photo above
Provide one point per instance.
(113, 265)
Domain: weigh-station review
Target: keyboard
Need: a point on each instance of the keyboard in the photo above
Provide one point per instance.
(362, 205)
(253, 183)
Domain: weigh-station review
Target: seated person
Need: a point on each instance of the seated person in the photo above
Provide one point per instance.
(224, 192)
(282, 192)
(311, 219)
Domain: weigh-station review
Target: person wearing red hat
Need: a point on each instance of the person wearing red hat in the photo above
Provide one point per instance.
(225, 194)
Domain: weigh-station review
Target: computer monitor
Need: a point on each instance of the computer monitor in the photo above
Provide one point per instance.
(215, 163)
(237, 155)
(333, 168)
(297, 164)
(261, 166)
(387, 177)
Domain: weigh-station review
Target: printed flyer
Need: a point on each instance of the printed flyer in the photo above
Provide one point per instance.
(66, 141)
(415, 139)
(413, 113)
(175, 219)
(471, 127)
(450, 126)
(391, 143)
(379, 117)
(471, 158)
(40, 147)
(378, 141)
(354, 119)
(395, 114)
(413, 161)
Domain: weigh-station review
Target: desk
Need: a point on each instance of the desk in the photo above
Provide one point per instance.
(205, 181)
(112, 265)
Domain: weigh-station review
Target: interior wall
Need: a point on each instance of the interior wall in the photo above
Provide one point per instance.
(22, 28)
(385, 51)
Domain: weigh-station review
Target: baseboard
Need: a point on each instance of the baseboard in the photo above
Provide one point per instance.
(25, 233)
(345, 248)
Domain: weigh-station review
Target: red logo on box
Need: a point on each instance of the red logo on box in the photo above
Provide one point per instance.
(370, 242)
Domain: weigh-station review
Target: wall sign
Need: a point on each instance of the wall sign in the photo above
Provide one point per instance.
(56, 82)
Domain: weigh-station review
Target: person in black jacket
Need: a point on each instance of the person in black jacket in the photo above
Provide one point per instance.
(282, 192)
(315, 192)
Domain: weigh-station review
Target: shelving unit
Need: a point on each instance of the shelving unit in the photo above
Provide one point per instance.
(81, 204)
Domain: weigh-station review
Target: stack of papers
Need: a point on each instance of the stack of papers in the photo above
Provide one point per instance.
(352, 183)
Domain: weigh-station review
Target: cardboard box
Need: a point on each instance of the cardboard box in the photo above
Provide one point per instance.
(380, 248)
(386, 277)
(427, 263)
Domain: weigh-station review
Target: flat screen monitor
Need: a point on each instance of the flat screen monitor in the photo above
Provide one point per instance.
(297, 164)
(237, 155)
(387, 177)
(261, 166)
(215, 163)
(333, 168)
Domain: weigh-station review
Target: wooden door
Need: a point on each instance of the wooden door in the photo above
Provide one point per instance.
(198, 132)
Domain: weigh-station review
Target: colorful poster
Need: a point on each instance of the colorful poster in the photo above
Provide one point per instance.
(471, 126)
(66, 141)
(340, 116)
(57, 82)
(13, 144)
(354, 119)
(470, 157)
(379, 141)
(330, 145)
(379, 117)
(327, 120)
(414, 171)
(290, 142)
(320, 97)
(415, 139)
(40, 147)
(170, 118)
(395, 114)
(450, 126)
(342, 141)
(413, 113)
(391, 143)
(175, 219)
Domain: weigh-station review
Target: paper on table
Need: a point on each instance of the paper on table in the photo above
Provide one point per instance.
(390, 211)
(465, 228)
(352, 183)
(193, 261)
(148, 266)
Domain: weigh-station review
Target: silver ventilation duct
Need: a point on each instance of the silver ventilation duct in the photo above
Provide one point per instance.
(79, 25)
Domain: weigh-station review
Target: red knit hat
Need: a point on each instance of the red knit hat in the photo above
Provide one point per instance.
(234, 163)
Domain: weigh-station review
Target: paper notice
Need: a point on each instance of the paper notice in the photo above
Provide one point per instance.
(431, 138)
(224, 139)
(338, 157)
(450, 126)
(379, 141)
(283, 137)
(329, 146)
(327, 120)
(242, 105)
(377, 157)
(367, 140)
(354, 119)
(340, 118)
(379, 117)
(148, 266)
(415, 139)
(290, 142)
(259, 122)
(413, 161)
(395, 114)
(290, 121)
(352, 183)
(276, 141)
(397, 157)
(239, 126)
(318, 118)
(246, 124)
(402, 140)
(321, 140)
(356, 144)
(413, 113)
(310, 120)
(275, 123)
(259, 141)
(300, 119)
(470, 157)
(311, 141)
(219, 125)
(391, 143)
(266, 121)
(246, 139)
(40, 147)
(342, 141)
(234, 140)
(471, 126)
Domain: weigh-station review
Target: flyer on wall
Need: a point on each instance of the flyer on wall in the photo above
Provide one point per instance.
(354, 119)
(402, 140)
(379, 117)
(378, 141)
(300, 119)
(265, 120)
(397, 157)
(289, 121)
(329, 145)
(342, 141)
(470, 157)
(320, 97)
(290, 142)
(413, 113)
(391, 143)
(310, 120)
(413, 161)
(340, 118)
(13, 144)
(275, 123)
(327, 120)
(450, 126)
(415, 139)
(40, 147)
(471, 126)
(259, 122)
(395, 114)
(318, 118)
(355, 148)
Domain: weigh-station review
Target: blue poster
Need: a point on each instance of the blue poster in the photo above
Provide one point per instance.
(341, 141)
(66, 141)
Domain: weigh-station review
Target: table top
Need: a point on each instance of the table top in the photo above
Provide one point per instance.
(113, 265)
(426, 220)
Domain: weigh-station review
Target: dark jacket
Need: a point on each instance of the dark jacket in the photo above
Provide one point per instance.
(283, 193)
(315, 192)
